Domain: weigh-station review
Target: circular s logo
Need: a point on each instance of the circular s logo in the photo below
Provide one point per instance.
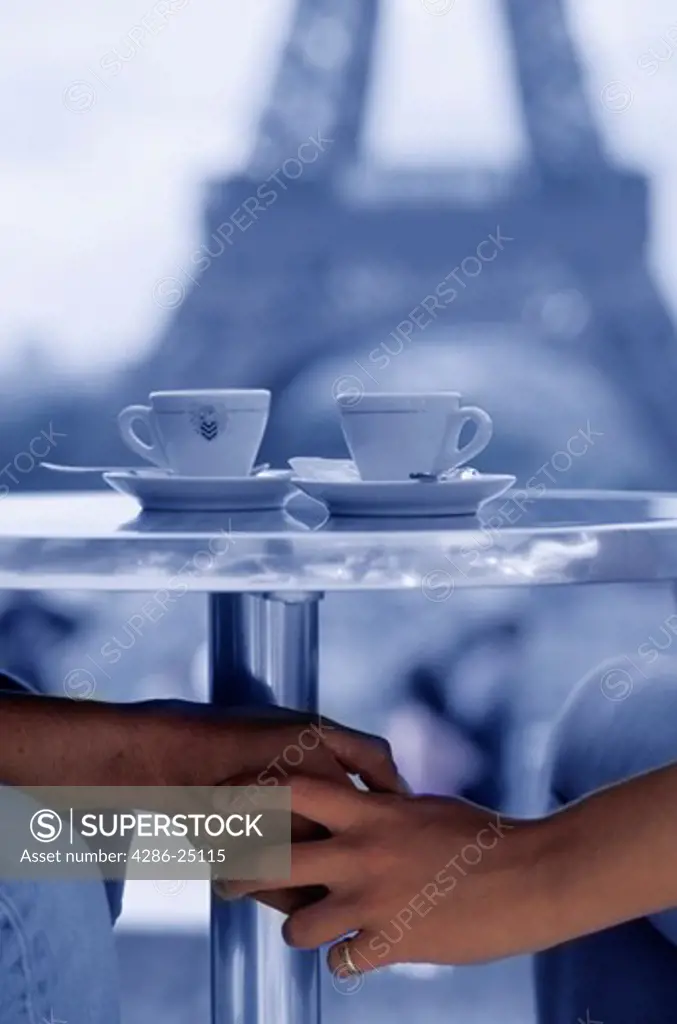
(168, 293)
(79, 684)
(437, 585)
(170, 886)
(347, 390)
(616, 97)
(46, 826)
(616, 684)
(345, 982)
(438, 7)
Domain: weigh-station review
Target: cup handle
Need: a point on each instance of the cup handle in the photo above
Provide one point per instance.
(482, 436)
(143, 414)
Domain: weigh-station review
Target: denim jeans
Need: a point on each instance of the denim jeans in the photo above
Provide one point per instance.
(57, 952)
(620, 721)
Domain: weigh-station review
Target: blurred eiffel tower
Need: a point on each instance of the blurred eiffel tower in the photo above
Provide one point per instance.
(345, 253)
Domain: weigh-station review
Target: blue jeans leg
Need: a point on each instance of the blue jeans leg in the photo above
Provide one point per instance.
(619, 722)
(114, 889)
(57, 954)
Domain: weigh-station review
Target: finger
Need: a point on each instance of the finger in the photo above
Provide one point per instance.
(257, 797)
(370, 757)
(350, 958)
(319, 863)
(288, 901)
(323, 921)
(331, 804)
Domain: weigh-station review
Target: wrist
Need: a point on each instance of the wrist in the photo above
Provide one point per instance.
(531, 885)
(574, 881)
(193, 749)
(537, 885)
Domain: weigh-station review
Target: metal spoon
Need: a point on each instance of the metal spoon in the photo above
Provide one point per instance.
(58, 467)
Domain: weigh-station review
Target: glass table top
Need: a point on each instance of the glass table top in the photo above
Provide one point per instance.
(103, 542)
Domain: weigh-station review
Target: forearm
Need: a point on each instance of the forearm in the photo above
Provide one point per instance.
(611, 857)
(47, 741)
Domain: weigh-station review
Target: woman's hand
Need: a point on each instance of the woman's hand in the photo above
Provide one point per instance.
(417, 878)
(440, 880)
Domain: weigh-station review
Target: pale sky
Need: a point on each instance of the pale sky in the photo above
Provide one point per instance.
(99, 202)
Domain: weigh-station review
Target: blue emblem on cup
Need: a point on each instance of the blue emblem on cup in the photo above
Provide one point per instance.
(206, 422)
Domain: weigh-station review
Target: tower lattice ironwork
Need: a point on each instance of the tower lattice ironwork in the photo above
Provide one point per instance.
(320, 267)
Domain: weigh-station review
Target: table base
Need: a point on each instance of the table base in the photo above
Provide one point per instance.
(256, 978)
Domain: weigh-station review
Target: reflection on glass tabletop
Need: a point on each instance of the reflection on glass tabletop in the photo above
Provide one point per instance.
(101, 541)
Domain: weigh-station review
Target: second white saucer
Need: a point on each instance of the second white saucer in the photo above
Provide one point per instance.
(460, 497)
(173, 493)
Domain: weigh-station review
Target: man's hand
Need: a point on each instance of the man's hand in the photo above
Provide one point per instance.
(268, 746)
(417, 878)
(58, 742)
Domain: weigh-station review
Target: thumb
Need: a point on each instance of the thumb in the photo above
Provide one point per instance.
(350, 959)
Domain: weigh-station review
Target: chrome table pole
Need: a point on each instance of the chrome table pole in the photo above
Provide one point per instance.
(257, 640)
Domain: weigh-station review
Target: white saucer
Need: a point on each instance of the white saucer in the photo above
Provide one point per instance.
(406, 497)
(173, 493)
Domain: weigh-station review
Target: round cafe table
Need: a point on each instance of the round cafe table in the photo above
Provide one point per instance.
(265, 574)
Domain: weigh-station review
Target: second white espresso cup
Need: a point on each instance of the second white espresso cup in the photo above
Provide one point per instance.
(392, 435)
(199, 433)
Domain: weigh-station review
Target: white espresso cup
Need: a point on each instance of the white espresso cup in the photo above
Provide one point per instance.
(392, 435)
(199, 433)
